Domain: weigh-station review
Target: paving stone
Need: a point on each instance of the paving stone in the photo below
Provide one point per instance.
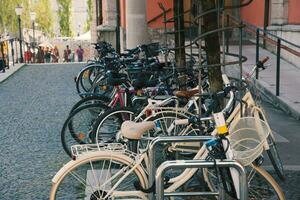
(34, 102)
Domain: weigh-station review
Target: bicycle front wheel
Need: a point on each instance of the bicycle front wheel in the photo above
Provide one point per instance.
(98, 175)
(275, 158)
(108, 124)
(261, 185)
(77, 128)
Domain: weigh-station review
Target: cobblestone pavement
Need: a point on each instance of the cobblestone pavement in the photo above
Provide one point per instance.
(34, 102)
(288, 146)
(290, 186)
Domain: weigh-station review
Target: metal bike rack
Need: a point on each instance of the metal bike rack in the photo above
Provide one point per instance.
(183, 164)
(168, 139)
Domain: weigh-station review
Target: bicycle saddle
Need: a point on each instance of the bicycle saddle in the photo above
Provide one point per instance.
(135, 131)
(186, 94)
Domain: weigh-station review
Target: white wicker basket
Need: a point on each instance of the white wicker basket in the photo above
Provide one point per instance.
(247, 138)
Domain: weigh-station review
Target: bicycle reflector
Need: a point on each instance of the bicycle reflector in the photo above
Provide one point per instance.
(220, 124)
(104, 87)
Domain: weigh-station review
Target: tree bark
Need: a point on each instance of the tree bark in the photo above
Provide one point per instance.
(212, 45)
(179, 33)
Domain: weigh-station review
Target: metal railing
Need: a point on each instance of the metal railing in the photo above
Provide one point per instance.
(168, 139)
(265, 35)
(184, 164)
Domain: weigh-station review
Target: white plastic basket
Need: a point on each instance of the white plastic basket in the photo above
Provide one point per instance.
(247, 138)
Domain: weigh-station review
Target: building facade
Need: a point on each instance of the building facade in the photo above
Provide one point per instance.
(279, 17)
(142, 20)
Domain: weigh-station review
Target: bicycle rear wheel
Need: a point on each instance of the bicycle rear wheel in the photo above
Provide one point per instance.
(98, 175)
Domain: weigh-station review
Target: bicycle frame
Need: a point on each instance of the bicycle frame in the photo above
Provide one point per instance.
(148, 158)
(120, 96)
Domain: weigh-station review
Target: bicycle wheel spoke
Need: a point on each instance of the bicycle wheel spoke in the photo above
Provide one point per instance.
(83, 182)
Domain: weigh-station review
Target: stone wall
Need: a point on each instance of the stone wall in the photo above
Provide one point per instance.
(279, 12)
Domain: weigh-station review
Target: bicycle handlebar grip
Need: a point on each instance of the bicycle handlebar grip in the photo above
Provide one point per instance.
(225, 79)
(181, 121)
(265, 60)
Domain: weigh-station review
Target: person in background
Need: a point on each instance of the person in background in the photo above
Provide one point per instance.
(47, 55)
(72, 56)
(67, 54)
(80, 53)
(55, 55)
(28, 55)
(40, 55)
(2, 60)
(5, 53)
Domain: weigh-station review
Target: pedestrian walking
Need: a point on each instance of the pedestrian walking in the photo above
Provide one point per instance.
(27, 55)
(67, 54)
(72, 56)
(47, 55)
(80, 53)
(55, 55)
(40, 55)
(2, 58)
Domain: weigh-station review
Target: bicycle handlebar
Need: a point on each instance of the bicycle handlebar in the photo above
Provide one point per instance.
(263, 61)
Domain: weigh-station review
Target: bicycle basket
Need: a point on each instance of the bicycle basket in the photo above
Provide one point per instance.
(247, 138)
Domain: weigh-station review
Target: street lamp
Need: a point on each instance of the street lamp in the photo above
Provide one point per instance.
(19, 10)
(32, 17)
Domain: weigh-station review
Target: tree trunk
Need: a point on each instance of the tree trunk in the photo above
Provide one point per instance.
(212, 45)
(179, 33)
(179, 40)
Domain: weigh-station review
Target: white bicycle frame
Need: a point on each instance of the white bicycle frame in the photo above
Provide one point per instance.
(176, 182)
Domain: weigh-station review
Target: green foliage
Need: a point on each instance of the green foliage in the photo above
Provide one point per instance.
(64, 13)
(44, 16)
(9, 19)
(90, 13)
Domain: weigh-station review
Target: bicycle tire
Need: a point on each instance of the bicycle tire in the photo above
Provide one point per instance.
(272, 152)
(92, 70)
(163, 126)
(71, 135)
(90, 100)
(80, 76)
(80, 87)
(263, 178)
(275, 159)
(120, 114)
(72, 169)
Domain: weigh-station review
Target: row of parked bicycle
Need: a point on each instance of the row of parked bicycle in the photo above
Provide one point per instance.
(132, 118)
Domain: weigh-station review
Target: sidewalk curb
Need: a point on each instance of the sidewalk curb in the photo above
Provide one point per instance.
(10, 73)
(276, 101)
